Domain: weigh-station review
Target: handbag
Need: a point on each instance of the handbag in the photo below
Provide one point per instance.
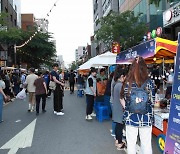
(52, 85)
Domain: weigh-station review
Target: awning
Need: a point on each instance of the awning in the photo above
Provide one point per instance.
(153, 51)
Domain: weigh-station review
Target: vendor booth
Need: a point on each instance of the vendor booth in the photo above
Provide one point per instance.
(154, 51)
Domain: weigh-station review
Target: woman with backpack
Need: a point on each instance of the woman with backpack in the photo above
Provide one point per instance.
(138, 95)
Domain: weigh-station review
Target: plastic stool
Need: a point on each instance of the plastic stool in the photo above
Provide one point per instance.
(97, 105)
(107, 103)
(102, 114)
(80, 93)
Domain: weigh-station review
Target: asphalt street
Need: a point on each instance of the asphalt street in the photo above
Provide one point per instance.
(52, 134)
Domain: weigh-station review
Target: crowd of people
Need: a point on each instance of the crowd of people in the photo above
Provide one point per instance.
(132, 92)
(130, 88)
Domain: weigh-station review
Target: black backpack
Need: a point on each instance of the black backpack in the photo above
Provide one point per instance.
(139, 101)
(71, 77)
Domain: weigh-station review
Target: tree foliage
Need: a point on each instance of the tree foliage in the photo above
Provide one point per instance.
(3, 17)
(73, 65)
(40, 50)
(124, 28)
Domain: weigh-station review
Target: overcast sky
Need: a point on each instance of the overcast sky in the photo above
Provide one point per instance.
(71, 21)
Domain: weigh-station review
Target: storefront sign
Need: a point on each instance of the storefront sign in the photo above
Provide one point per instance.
(172, 15)
(144, 50)
(173, 133)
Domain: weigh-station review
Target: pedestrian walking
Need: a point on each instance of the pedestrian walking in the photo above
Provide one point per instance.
(118, 108)
(90, 93)
(16, 83)
(2, 95)
(31, 88)
(41, 92)
(138, 95)
(66, 75)
(58, 92)
(72, 81)
(46, 77)
(23, 79)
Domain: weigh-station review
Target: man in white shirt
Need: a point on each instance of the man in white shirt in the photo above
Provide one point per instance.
(31, 88)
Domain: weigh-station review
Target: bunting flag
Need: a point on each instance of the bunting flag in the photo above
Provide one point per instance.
(39, 27)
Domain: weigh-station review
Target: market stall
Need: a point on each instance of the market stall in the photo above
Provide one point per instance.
(154, 51)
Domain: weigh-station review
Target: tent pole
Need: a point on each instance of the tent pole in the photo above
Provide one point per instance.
(163, 76)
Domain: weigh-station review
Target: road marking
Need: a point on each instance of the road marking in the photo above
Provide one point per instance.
(138, 149)
(18, 121)
(22, 140)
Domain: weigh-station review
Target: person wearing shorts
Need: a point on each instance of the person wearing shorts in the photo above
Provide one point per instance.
(31, 89)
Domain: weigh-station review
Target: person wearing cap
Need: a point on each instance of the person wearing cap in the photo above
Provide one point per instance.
(90, 93)
(58, 92)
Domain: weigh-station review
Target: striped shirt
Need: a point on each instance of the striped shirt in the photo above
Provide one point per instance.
(140, 120)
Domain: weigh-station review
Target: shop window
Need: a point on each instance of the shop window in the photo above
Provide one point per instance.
(121, 2)
(15, 22)
(11, 17)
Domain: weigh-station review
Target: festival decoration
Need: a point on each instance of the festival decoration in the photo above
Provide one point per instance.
(39, 27)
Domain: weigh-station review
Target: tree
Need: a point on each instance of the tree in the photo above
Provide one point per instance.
(156, 2)
(73, 65)
(124, 28)
(3, 17)
(39, 50)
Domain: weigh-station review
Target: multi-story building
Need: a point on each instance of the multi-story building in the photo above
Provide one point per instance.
(42, 24)
(60, 61)
(27, 21)
(171, 21)
(79, 53)
(151, 14)
(17, 8)
(7, 7)
(101, 9)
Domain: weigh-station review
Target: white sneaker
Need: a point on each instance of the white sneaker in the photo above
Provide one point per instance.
(93, 115)
(55, 112)
(60, 113)
(88, 117)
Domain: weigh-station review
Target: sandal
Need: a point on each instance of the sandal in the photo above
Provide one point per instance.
(121, 146)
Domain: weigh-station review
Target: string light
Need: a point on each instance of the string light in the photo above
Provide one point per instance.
(39, 28)
(42, 59)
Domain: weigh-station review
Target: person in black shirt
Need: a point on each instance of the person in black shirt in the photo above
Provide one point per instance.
(71, 81)
(58, 92)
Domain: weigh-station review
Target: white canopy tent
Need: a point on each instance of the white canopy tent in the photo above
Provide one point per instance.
(105, 59)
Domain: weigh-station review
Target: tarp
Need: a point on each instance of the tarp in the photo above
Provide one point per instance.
(105, 59)
(153, 51)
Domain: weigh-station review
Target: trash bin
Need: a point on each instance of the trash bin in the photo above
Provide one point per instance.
(1, 107)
